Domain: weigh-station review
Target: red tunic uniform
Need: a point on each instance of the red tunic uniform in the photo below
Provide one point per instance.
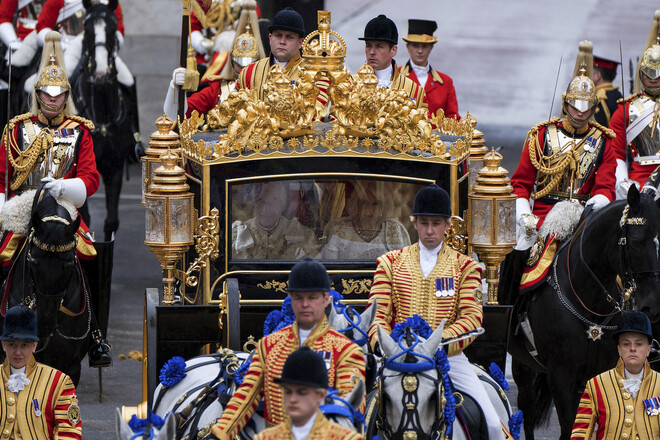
(619, 124)
(51, 9)
(343, 359)
(84, 167)
(8, 9)
(526, 179)
(439, 89)
(208, 97)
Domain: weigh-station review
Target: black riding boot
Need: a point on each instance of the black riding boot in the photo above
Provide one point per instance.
(99, 352)
(134, 118)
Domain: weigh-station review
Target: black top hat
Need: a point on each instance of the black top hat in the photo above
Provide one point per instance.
(432, 200)
(304, 367)
(381, 28)
(308, 275)
(421, 31)
(20, 325)
(635, 322)
(288, 20)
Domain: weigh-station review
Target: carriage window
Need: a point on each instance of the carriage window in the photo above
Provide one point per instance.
(330, 219)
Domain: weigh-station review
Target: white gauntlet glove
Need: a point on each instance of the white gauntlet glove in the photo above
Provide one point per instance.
(200, 44)
(526, 231)
(597, 202)
(72, 190)
(170, 104)
(623, 182)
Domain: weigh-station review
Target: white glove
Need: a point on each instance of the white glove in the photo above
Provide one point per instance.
(8, 34)
(41, 36)
(597, 202)
(178, 77)
(199, 43)
(623, 182)
(623, 187)
(72, 190)
(2, 200)
(525, 234)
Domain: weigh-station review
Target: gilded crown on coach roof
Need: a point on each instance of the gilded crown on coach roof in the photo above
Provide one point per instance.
(324, 49)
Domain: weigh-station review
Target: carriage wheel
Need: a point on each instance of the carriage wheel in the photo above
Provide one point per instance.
(149, 345)
(232, 319)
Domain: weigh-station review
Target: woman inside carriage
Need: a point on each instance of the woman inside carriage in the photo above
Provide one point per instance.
(51, 146)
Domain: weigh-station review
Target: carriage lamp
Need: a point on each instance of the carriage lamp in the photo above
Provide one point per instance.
(159, 142)
(492, 206)
(478, 150)
(169, 222)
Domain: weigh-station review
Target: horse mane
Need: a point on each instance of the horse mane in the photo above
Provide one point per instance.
(99, 11)
(53, 232)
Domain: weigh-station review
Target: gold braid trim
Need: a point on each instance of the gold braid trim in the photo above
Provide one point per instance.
(607, 131)
(536, 156)
(23, 164)
(629, 98)
(86, 122)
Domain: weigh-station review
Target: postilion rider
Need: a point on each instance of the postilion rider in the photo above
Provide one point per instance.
(308, 288)
(36, 401)
(438, 87)
(52, 145)
(636, 121)
(623, 402)
(562, 160)
(435, 282)
(304, 384)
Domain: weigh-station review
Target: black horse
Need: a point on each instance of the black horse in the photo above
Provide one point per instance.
(100, 97)
(610, 263)
(47, 276)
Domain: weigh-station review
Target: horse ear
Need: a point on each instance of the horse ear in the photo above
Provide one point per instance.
(169, 430)
(368, 316)
(430, 346)
(122, 429)
(356, 396)
(112, 4)
(633, 196)
(388, 346)
(87, 4)
(333, 317)
(75, 225)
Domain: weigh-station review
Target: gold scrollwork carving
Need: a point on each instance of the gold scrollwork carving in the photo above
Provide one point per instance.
(278, 286)
(355, 287)
(456, 236)
(206, 245)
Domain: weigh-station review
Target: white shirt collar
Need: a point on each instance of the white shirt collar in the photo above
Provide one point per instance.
(428, 258)
(421, 73)
(384, 76)
(17, 370)
(302, 432)
(304, 334)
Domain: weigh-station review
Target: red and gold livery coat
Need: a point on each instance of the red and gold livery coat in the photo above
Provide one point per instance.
(323, 429)
(600, 178)
(344, 360)
(612, 413)
(401, 291)
(46, 408)
(439, 91)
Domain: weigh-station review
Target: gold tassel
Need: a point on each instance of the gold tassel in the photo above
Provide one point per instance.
(191, 80)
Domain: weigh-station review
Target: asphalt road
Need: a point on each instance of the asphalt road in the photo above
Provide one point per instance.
(502, 55)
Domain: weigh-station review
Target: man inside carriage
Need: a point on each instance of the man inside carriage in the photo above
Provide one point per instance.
(50, 146)
(309, 287)
(435, 282)
(566, 164)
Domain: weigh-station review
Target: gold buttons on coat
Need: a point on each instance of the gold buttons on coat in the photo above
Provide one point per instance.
(5, 433)
(626, 395)
(10, 417)
(624, 436)
(10, 401)
(629, 408)
(628, 422)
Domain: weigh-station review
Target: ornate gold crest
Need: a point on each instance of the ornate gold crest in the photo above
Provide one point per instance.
(73, 413)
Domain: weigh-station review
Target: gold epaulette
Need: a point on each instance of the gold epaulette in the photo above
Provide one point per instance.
(620, 100)
(84, 121)
(535, 129)
(19, 118)
(607, 131)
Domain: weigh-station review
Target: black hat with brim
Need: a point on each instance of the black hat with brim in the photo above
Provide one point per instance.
(633, 322)
(432, 201)
(308, 275)
(20, 325)
(304, 367)
(381, 28)
(288, 20)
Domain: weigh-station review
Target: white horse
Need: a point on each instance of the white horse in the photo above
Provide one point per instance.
(412, 389)
(166, 432)
(199, 398)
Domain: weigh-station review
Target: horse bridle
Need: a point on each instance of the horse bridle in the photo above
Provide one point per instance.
(354, 325)
(344, 408)
(410, 426)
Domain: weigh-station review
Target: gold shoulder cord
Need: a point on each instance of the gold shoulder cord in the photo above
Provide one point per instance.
(23, 164)
(84, 121)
